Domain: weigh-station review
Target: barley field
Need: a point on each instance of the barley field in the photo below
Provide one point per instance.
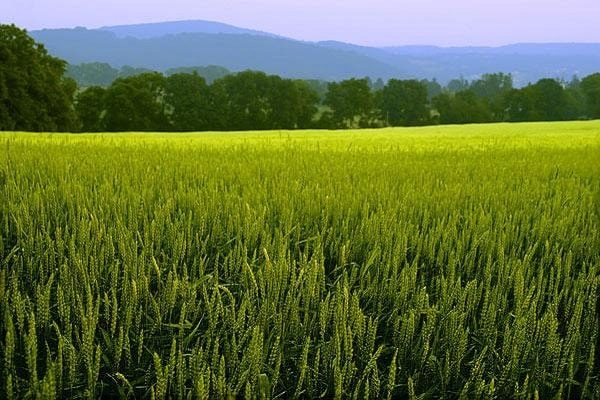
(411, 263)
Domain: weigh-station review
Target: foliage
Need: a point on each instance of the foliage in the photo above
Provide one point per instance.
(433, 88)
(457, 85)
(590, 86)
(90, 108)
(545, 100)
(319, 87)
(492, 86)
(188, 100)
(455, 262)
(34, 96)
(136, 104)
(100, 74)
(210, 73)
(461, 108)
(549, 100)
(351, 102)
(518, 105)
(253, 100)
(404, 103)
(92, 74)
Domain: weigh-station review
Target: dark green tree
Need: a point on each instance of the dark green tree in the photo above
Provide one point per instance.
(518, 104)
(306, 104)
(545, 100)
(590, 87)
(137, 104)
(34, 96)
(576, 102)
(294, 104)
(404, 103)
(90, 107)
(219, 106)
(549, 100)
(282, 99)
(492, 88)
(243, 100)
(188, 102)
(351, 102)
(253, 100)
(461, 108)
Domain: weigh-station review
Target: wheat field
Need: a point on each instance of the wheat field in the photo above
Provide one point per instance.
(418, 263)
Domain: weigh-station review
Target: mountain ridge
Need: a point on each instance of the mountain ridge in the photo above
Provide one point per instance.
(289, 58)
(151, 30)
(177, 44)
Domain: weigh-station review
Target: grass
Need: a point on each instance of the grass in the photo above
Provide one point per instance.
(455, 262)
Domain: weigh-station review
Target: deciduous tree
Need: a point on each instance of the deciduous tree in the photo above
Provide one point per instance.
(404, 103)
(351, 102)
(34, 96)
(590, 86)
(137, 104)
(90, 107)
(188, 102)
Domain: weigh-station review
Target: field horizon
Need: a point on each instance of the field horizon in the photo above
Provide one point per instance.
(554, 125)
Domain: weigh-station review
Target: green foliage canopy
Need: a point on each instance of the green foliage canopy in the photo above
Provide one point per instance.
(34, 96)
(404, 103)
(351, 102)
(590, 86)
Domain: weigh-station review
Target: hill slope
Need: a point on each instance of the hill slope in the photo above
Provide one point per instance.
(236, 52)
(528, 62)
(153, 30)
(162, 46)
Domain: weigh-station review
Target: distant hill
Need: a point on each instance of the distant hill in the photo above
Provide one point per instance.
(163, 46)
(285, 57)
(554, 49)
(154, 30)
(527, 62)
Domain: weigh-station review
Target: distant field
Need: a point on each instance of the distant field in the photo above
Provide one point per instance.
(412, 263)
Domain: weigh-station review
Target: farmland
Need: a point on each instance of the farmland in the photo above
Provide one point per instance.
(396, 263)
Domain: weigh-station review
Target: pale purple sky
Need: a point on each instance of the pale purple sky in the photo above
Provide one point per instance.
(369, 22)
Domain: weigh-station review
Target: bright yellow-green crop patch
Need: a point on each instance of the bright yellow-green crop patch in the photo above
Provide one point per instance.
(396, 263)
(455, 137)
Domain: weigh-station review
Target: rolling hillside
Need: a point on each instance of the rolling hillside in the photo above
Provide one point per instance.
(161, 46)
(153, 30)
(285, 57)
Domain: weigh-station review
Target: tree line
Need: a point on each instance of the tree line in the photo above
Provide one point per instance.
(253, 100)
(35, 95)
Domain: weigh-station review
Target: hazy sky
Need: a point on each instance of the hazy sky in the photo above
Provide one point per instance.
(371, 22)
